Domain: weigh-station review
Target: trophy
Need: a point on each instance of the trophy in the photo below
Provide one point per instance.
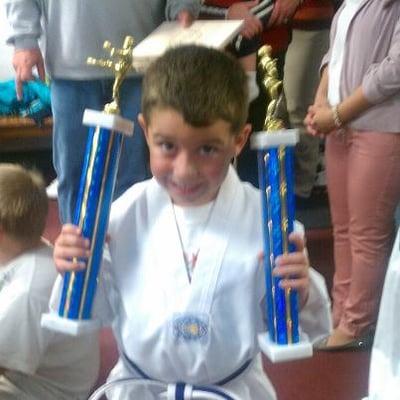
(275, 153)
(105, 138)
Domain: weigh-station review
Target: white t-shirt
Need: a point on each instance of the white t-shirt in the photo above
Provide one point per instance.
(41, 363)
(338, 49)
(192, 224)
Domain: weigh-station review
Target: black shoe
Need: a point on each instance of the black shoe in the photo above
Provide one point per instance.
(364, 342)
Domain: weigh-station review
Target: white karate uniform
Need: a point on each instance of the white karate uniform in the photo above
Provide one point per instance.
(384, 377)
(39, 364)
(199, 332)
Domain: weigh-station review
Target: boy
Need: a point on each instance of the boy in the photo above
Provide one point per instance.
(34, 364)
(185, 287)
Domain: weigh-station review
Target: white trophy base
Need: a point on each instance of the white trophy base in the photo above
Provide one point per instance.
(278, 353)
(108, 121)
(71, 327)
(265, 140)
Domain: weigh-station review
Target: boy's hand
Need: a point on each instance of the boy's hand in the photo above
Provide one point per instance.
(293, 269)
(70, 248)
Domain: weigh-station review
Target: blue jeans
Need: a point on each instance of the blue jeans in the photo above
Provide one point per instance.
(69, 100)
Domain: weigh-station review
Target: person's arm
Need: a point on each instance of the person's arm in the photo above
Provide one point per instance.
(242, 10)
(326, 119)
(24, 19)
(382, 79)
(283, 11)
(321, 95)
(321, 99)
(381, 82)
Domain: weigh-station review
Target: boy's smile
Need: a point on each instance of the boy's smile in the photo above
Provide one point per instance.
(190, 162)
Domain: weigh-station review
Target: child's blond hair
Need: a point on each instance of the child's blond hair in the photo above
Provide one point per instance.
(23, 203)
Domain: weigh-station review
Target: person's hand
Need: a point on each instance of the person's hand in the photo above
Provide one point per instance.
(283, 11)
(24, 61)
(308, 121)
(70, 249)
(320, 120)
(185, 18)
(242, 10)
(293, 268)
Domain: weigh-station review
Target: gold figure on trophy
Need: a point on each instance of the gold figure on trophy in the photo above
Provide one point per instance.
(273, 87)
(120, 66)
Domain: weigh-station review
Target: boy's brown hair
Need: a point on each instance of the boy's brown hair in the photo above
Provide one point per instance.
(202, 84)
(23, 203)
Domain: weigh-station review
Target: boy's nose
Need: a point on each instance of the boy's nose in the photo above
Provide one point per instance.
(185, 167)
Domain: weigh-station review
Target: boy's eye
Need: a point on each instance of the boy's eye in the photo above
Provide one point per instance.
(208, 150)
(166, 146)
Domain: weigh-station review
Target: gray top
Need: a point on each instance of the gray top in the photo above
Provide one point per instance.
(372, 59)
(76, 29)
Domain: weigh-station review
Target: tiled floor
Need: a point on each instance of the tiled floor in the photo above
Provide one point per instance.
(335, 376)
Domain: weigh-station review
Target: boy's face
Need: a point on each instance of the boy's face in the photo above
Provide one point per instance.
(189, 162)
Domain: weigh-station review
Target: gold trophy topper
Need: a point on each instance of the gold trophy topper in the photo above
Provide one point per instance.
(120, 63)
(273, 87)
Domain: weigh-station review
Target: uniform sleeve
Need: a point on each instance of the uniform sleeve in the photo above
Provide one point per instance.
(382, 80)
(174, 7)
(21, 337)
(315, 317)
(24, 19)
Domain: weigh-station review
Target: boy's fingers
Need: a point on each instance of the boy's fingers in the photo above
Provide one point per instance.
(65, 265)
(295, 284)
(291, 259)
(290, 271)
(71, 252)
(70, 228)
(298, 240)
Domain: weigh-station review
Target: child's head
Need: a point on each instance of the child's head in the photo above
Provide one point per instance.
(195, 106)
(23, 204)
(202, 84)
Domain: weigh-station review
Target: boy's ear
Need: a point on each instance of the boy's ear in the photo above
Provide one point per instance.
(241, 138)
(142, 123)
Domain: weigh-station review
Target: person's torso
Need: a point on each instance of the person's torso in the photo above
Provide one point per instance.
(367, 43)
(76, 30)
(66, 364)
(173, 330)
